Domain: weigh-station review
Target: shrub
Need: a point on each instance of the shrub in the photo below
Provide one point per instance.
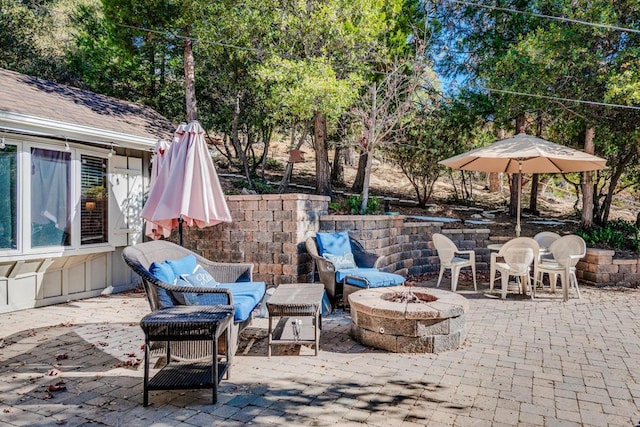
(617, 234)
(351, 205)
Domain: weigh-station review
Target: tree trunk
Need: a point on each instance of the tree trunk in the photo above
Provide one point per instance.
(533, 200)
(515, 179)
(495, 178)
(365, 186)
(323, 169)
(337, 170)
(586, 220)
(235, 140)
(358, 182)
(189, 79)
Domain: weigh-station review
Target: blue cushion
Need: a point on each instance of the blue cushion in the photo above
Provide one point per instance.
(376, 278)
(254, 290)
(246, 296)
(333, 243)
(184, 265)
(164, 273)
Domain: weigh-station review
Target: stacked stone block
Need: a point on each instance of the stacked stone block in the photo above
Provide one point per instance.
(599, 267)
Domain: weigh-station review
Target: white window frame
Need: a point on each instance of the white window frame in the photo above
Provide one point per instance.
(24, 250)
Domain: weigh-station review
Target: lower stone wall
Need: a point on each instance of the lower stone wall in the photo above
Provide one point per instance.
(600, 268)
(406, 247)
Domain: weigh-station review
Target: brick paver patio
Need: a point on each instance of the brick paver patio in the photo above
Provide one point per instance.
(524, 362)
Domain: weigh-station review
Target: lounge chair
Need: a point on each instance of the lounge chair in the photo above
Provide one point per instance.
(341, 261)
(154, 260)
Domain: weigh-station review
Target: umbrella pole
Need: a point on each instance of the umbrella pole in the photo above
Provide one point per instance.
(518, 229)
(180, 221)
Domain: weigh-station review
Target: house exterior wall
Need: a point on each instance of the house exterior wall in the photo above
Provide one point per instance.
(52, 275)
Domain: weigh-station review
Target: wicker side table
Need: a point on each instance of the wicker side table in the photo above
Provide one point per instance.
(299, 307)
(187, 323)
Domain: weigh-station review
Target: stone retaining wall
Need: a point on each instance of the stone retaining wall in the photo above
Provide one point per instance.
(270, 231)
(600, 268)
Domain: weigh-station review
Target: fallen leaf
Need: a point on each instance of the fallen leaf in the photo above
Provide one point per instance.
(7, 410)
(53, 373)
(60, 386)
(130, 355)
(62, 356)
(47, 395)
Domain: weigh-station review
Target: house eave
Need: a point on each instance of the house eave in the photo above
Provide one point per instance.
(37, 125)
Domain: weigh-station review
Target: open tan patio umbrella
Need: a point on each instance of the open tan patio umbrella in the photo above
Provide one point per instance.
(187, 189)
(524, 153)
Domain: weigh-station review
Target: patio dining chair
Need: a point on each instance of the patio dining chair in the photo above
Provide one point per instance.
(545, 239)
(566, 252)
(515, 258)
(447, 252)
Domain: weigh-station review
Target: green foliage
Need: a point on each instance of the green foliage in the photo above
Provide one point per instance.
(618, 234)
(274, 164)
(351, 205)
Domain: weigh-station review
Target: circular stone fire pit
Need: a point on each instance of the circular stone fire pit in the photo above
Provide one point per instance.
(436, 323)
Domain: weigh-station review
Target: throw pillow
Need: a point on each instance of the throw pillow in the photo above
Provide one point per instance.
(164, 273)
(341, 262)
(199, 278)
(333, 243)
(185, 265)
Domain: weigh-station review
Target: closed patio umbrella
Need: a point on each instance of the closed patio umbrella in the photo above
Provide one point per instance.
(187, 189)
(153, 230)
(524, 153)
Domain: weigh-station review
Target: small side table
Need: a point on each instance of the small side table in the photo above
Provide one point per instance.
(299, 307)
(187, 323)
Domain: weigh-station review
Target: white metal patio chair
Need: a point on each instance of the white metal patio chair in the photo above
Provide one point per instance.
(447, 251)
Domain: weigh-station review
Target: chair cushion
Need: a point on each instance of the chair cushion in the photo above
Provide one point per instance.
(341, 262)
(168, 272)
(333, 243)
(164, 273)
(246, 296)
(377, 279)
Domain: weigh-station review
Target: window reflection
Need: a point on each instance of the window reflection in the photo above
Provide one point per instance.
(8, 197)
(50, 201)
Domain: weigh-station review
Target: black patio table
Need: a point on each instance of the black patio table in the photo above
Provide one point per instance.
(187, 323)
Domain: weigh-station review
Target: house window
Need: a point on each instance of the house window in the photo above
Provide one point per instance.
(8, 197)
(93, 206)
(50, 198)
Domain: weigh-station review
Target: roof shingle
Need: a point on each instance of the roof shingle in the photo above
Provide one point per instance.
(31, 96)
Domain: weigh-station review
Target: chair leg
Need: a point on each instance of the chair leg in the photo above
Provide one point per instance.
(473, 271)
(505, 284)
(553, 279)
(455, 273)
(440, 275)
(492, 278)
(564, 281)
(575, 283)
